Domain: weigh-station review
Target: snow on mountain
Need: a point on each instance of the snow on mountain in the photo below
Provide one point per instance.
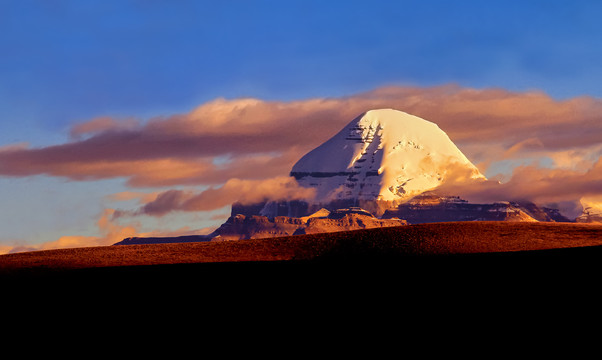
(391, 164)
(384, 155)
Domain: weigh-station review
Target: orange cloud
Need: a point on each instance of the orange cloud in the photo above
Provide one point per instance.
(246, 127)
(263, 139)
(109, 230)
(101, 124)
(110, 234)
(540, 185)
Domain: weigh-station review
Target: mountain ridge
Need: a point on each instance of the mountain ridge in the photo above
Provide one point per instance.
(386, 163)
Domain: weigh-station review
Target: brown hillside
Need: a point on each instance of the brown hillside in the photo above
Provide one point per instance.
(390, 243)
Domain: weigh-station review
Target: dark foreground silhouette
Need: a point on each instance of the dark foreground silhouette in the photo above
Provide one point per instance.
(427, 250)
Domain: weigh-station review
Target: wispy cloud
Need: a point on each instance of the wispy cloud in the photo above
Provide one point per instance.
(234, 190)
(110, 232)
(101, 124)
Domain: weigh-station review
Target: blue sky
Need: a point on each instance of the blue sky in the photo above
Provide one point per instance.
(66, 62)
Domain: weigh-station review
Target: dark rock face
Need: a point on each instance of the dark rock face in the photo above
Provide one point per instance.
(240, 227)
(429, 208)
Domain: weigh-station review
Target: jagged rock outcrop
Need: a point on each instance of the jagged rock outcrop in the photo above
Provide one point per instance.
(350, 221)
(241, 227)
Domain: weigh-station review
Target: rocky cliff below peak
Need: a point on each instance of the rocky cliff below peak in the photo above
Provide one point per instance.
(239, 227)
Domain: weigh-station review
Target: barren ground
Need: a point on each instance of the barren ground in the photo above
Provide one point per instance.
(390, 244)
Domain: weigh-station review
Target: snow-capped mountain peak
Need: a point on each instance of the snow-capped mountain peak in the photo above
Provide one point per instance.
(383, 154)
